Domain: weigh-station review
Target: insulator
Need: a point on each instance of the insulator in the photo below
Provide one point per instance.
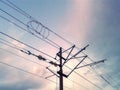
(53, 63)
(41, 58)
(38, 29)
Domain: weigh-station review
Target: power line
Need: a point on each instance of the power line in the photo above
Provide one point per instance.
(78, 84)
(85, 78)
(53, 58)
(12, 45)
(26, 45)
(29, 73)
(38, 64)
(15, 7)
(30, 17)
(34, 34)
(33, 29)
(45, 40)
(9, 45)
(82, 77)
(100, 76)
(22, 57)
(57, 46)
(24, 23)
(21, 69)
(103, 78)
(47, 28)
(65, 66)
(29, 53)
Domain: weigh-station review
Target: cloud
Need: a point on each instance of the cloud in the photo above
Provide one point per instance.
(12, 79)
(77, 21)
(76, 26)
(98, 24)
(104, 38)
(21, 85)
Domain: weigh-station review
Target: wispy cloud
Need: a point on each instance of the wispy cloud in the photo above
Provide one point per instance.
(77, 20)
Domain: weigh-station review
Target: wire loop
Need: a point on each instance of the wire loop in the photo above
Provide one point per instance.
(38, 29)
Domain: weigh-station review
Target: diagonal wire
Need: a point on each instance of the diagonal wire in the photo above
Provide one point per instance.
(27, 45)
(20, 69)
(65, 65)
(47, 41)
(15, 47)
(85, 78)
(15, 7)
(22, 57)
(21, 11)
(40, 65)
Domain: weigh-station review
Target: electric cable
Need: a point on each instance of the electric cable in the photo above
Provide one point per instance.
(48, 28)
(20, 10)
(29, 31)
(28, 52)
(29, 16)
(28, 59)
(27, 45)
(13, 6)
(85, 78)
(40, 65)
(20, 69)
(78, 84)
(53, 58)
(23, 58)
(9, 45)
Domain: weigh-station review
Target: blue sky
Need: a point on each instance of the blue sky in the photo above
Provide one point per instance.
(81, 22)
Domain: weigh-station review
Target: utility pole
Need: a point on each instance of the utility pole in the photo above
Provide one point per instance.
(61, 70)
(60, 73)
(61, 64)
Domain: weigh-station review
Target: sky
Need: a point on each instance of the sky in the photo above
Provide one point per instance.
(79, 22)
